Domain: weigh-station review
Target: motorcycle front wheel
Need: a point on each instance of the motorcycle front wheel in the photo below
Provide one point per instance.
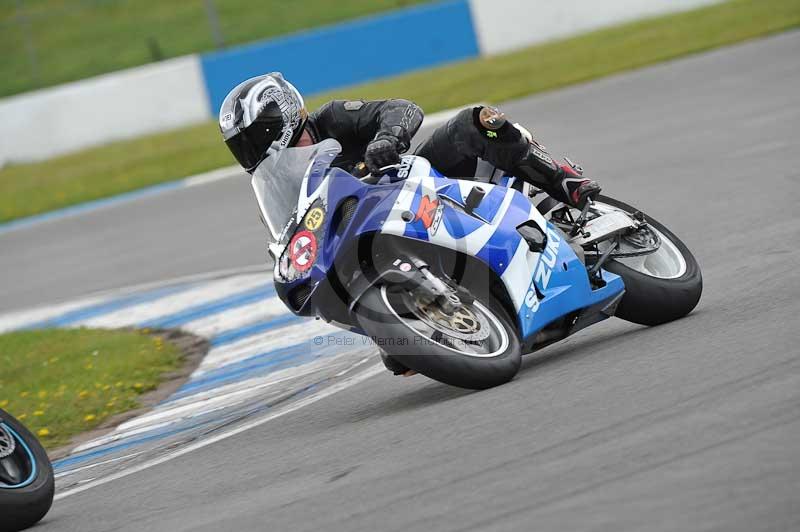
(26, 476)
(472, 346)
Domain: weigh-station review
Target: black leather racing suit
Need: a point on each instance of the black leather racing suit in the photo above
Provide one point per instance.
(457, 148)
(356, 123)
(454, 149)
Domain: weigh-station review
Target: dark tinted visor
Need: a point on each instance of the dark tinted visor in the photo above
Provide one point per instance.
(250, 145)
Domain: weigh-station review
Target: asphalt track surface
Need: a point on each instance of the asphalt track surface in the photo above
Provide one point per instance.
(693, 425)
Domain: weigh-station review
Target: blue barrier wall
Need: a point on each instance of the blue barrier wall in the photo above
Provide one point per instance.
(351, 52)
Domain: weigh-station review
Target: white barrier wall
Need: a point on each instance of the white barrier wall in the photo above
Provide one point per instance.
(504, 25)
(175, 93)
(125, 104)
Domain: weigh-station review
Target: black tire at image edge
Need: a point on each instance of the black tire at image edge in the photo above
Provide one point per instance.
(24, 507)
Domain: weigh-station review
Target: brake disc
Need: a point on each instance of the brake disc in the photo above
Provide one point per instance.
(463, 323)
(7, 443)
(642, 241)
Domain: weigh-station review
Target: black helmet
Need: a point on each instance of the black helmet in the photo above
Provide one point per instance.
(261, 113)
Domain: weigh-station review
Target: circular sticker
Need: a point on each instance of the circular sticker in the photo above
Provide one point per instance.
(303, 250)
(314, 218)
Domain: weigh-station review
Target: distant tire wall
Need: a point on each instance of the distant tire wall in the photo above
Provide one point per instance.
(188, 90)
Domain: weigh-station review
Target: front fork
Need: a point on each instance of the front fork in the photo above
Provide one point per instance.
(414, 275)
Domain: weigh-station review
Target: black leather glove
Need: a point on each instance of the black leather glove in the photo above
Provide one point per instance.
(382, 151)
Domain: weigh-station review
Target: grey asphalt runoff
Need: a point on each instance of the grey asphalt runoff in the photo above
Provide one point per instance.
(693, 425)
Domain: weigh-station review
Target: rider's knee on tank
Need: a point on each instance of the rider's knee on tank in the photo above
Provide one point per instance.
(474, 133)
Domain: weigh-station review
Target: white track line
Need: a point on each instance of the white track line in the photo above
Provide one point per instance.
(180, 301)
(264, 267)
(327, 392)
(16, 319)
(239, 316)
(96, 464)
(437, 119)
(215, 175)
(285, 336)
(209, 401)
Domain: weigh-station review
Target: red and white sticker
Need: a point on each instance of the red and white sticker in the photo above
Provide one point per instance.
(430, 212)
(303, 250)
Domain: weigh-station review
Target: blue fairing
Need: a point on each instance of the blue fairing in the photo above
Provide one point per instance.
(430, 208)
(567, 289)
(374, 203)
(491, 203)
(500, 248)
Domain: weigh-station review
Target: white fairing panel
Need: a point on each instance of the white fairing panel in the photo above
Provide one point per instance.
(517, 274)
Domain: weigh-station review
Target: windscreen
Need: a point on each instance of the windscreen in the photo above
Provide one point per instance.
(278, 181)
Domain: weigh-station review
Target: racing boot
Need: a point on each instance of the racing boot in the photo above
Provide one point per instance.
(539, 169)
(578, 189)
(396, 367)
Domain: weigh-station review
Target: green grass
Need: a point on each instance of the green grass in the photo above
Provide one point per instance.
(593, 55)
(35, 188)
(109, 170)
(63, 382)
(74, 39)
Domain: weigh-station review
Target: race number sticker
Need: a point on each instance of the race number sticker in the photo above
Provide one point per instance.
(303, 251)
(314, 219)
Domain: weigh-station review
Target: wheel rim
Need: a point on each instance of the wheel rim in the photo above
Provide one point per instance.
(463, 323)
(667, 262)
(475, 330)
(17, 464)
(7, 443)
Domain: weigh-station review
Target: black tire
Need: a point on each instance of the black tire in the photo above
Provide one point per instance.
(22, 507)
(432, 359)
(652, 300)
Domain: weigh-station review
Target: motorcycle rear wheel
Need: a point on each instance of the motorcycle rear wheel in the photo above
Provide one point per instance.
(666, 288)
(484, 353)
(27, 484)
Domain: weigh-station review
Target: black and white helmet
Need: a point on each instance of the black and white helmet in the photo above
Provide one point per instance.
(261, 113)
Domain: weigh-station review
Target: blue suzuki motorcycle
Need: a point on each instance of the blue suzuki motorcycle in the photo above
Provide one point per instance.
(26, 476)
(457, 279)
